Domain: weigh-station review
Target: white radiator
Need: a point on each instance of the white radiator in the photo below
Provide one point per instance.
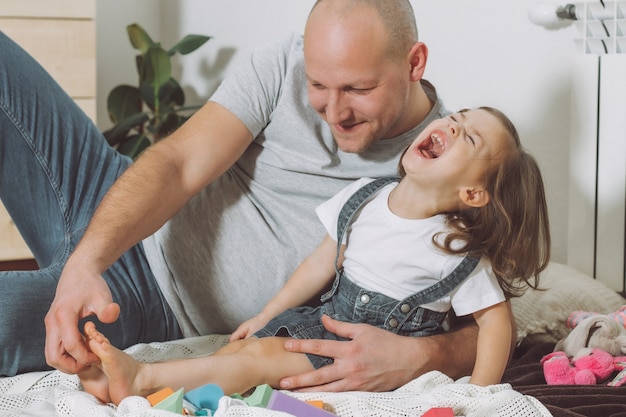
(597, 193)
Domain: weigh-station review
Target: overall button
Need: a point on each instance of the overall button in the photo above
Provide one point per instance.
(405, 308)
(365, 298)
(393, 323)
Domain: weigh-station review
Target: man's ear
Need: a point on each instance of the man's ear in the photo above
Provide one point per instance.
(474, 197)
(417, 59)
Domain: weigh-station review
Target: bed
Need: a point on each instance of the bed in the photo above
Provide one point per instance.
(540, 317)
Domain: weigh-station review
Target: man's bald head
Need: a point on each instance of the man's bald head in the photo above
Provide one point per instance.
(396, 16)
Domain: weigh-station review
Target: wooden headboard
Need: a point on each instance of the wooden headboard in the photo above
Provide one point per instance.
(61, 35)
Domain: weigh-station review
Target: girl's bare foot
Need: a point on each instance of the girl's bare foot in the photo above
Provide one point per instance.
(115, 377)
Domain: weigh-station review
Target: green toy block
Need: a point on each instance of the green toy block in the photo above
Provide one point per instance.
(173, 403)
(260, 396)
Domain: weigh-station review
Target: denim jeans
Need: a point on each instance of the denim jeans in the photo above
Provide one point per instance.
(55, 166)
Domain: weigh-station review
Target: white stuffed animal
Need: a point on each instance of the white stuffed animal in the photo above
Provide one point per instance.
(596, 331)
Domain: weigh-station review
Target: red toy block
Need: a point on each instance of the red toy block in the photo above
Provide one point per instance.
(439, 412)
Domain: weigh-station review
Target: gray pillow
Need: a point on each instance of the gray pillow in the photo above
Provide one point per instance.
(540, 315)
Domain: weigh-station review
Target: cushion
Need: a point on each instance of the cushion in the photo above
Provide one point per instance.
(540, 315)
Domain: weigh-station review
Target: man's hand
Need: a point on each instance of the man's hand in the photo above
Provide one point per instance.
(80, 293)
(377, 360)
(373, 360)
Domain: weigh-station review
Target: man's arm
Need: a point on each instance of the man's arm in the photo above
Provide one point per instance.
(142, 200)
(378, 360)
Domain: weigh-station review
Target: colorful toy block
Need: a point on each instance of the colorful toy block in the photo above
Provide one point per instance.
(173, 403)
(439, 412)
(203, 412)
(280, 401)
(205, 397)
(159, 396)
(316, 403)
(204, 401)
(260, 396)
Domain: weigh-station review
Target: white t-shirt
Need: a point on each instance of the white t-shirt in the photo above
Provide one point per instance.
(397, 257)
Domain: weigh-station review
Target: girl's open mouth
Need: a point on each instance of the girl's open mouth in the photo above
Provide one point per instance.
(433, 146)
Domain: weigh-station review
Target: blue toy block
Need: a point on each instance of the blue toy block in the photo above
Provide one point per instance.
(280, 401)
(205, 397)
(260, 396)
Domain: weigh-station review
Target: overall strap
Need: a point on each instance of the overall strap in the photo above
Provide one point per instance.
(407, 308)
(446, 285)
(352, 206)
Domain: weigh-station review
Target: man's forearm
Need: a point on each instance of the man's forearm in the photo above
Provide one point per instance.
(133, 208)
(452, 353)
(169, 173)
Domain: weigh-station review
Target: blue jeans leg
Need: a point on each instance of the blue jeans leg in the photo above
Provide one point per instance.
(55, 167)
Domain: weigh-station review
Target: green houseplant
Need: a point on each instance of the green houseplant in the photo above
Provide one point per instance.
(145, 113)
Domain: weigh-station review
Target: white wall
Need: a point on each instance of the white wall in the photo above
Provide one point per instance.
(488, 52)
(481, 52)
(115, 55)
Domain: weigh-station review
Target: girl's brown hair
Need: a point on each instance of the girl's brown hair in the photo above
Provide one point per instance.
(512, 231)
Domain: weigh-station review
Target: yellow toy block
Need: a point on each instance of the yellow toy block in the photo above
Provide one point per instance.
(316, 403)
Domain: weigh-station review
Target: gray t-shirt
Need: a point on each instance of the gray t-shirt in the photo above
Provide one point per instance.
(233, 246)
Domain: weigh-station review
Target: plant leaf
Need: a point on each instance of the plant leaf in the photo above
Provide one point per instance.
(170, 95)
(123, 101)
(139, 39)
(171, 122)
(134, 145)
(136, 129)
(147, 93)
(188, 44)
(119, 132)
(156, 68)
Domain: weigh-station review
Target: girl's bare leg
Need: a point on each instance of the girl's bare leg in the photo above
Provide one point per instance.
(241, 365)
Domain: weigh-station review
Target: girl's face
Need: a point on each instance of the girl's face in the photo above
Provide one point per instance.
(457, 151)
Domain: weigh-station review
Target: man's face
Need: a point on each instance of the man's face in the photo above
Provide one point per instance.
(353, 84)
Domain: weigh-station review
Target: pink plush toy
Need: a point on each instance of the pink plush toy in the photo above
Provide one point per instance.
(588, 366)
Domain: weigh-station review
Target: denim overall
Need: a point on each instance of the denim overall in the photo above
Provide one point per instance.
(346, 301)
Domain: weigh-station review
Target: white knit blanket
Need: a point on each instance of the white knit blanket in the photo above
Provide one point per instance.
(58, 394)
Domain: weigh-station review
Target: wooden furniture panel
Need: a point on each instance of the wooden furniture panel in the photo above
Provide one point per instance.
(11, 244)
(63, 9)
(61, 36)
(64, 47)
